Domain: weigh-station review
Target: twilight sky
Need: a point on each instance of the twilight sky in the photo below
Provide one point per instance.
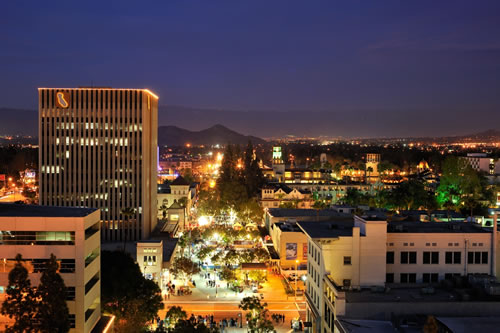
(336, 56)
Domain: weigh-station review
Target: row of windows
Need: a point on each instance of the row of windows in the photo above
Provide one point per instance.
(435, 244)
(428, 257)
(315, 253)
(412, 277)
(37, 237)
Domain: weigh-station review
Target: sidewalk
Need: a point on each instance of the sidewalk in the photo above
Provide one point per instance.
(272, 291)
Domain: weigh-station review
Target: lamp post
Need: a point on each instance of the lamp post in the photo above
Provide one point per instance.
(215, 281)
(296, 276)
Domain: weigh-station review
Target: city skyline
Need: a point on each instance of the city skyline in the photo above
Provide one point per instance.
(419, 63)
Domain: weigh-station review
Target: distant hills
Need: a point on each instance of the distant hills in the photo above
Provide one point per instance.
(218, 134)
(341, 124)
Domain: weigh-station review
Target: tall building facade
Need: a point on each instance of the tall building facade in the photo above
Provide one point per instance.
(73, 236)
(98, 148)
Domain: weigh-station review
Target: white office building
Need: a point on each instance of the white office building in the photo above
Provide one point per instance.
(73, 236)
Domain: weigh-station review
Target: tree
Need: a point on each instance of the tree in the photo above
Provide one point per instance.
(187, 174)
(256, 315)
(369, 170)
(258, 276)
(227, 274)
(174, 314)
(53, 312)
(353, 197)
(125, 292)
(205, 252)
(252, 174)
(164, 208)
(20, 303)
(250, 211)
(184, 268)
(409, 195)
(319, 205)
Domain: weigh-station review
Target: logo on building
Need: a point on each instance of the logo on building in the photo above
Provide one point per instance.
(62, 99)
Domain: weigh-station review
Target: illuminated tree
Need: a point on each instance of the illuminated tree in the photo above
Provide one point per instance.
(257, 315)
(184, 268)
(174, 314)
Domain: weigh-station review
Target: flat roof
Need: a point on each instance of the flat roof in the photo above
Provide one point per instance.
(435, 227)
(102, 88)
(23, 210)
(410, 294)
(327, 229)
(471, 324)
(288, 226)
(286, 212)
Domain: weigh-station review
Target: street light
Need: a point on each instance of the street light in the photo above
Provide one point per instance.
(296, 276)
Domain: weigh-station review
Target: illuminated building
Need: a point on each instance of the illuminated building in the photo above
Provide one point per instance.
(277, 195)
(371, 269)
(98, 148)
(481, 162)
(371, 167)
(73, 236)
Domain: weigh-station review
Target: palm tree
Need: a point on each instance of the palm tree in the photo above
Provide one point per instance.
(127, 212)
(369, 170)
(319, 205)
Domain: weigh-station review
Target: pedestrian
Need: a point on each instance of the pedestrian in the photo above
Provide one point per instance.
(300, 325)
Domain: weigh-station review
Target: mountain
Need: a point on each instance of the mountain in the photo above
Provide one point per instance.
(337, 123)
(218, 134)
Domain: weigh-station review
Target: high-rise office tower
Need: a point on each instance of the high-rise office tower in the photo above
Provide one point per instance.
(98, 148)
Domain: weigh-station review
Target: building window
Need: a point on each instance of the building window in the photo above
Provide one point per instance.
(453, 257)
(408, 257)
(431, 258)
(430, 277)
(477, 258)
(389, 258)
(347, 260)
(408, 278)
(449, 276)
(389, 278)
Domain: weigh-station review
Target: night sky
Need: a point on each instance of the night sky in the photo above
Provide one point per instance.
(431, 57)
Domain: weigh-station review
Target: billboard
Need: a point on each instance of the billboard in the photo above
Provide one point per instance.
(291, 251)
(304, 251)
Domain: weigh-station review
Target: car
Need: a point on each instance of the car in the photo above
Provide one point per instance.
(293, 276)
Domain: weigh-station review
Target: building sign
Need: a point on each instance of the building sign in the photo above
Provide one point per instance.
(2, 178)
(304, 251)
(291, 251)
(62, 99)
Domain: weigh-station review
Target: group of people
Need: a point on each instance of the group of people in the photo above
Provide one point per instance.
(170, 290)
(278, 317)
(209, 321)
